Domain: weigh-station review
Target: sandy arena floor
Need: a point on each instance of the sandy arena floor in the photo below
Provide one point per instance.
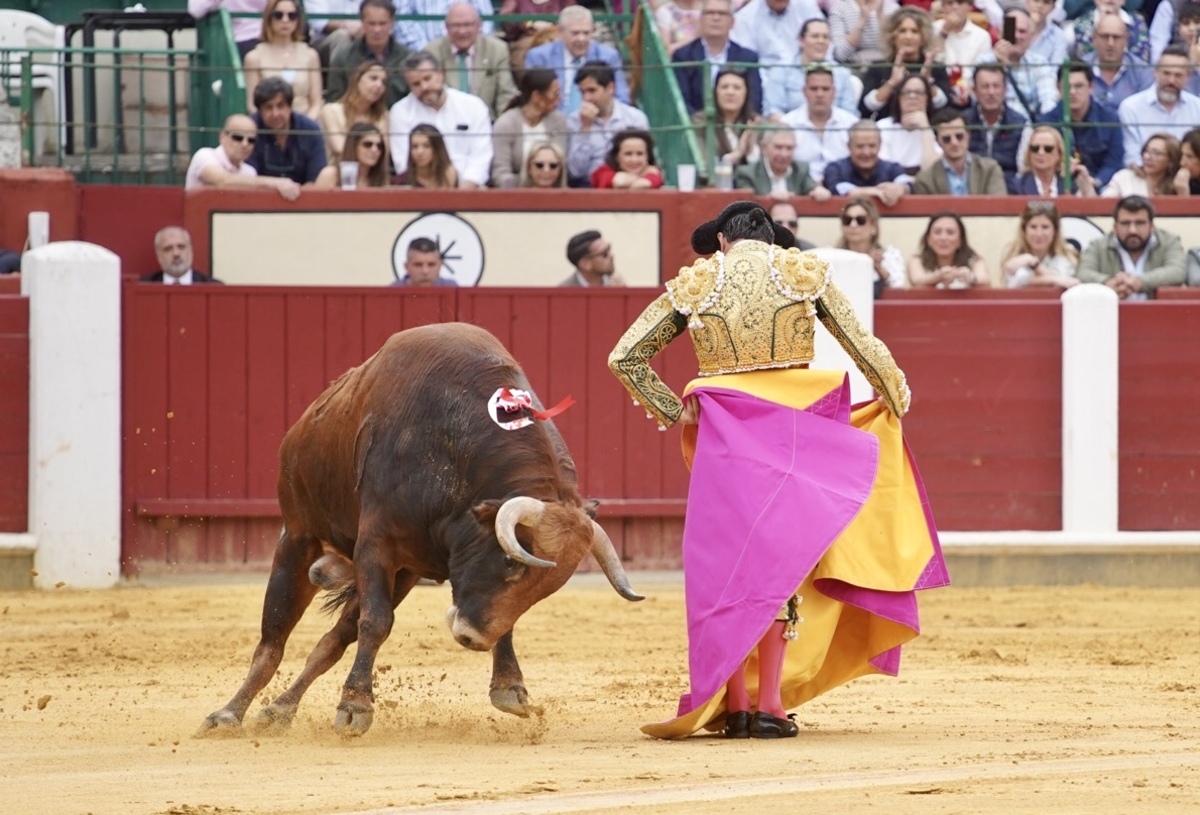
(1074, 700)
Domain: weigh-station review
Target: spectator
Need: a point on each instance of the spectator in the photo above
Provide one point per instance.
(173, 248)
(783, 89)
(772, 27)
(1187, 180)
(822, 131)
(363, 101)
(428, 166)
(1032, 84)
(365, 146)
(860, 233)
(784, 214)
(1188, 38)
(997, 131)
(1164, 108)
(1175, 22)
(592, 257)
(1117, 74)
(373, 44)
(546, 167)
(521, 36)
(1155, 175)
(463, 120)
(945, 260)
(678, 23)
(964, 45)
(908, 49)
(777, 173)
(566, 55)
(600, 115)
(289, 145)
(1038, 255)
(283, 52)
(735, 143)
(958, 171)
(629, 164)
(1044, 176)
(1135, 258)
(1094, 129)
(423, 265)
(329, 33)
(225, 166)
(856, 29)
(531, 117)
(1085, 29)
(475, 63)
(417, 34)
(10, 261)
(862, 173)
(246, 30)
(1048, 43)
(907, 138)
(714, 46)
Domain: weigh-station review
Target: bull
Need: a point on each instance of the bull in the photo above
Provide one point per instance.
(397, 472)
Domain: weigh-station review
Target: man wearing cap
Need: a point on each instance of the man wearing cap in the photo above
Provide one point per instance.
(803, 520)
(592, 257)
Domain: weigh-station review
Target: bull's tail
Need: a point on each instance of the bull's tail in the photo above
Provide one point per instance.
(334, 573)
(339, 596)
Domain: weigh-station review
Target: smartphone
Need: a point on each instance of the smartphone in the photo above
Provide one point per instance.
(1010, 30)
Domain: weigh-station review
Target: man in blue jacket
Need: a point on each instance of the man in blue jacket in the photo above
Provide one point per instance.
(1093, 131)
(290, 145)
(574, 47)
(714, 45)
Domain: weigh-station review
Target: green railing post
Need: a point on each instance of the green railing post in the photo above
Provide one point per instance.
(27, 137)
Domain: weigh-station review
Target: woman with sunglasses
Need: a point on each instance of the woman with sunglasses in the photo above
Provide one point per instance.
(546, 167)
(860, 233)
(1043, 175)
(365, 145)
(365, 100)
(1161, 158)
(531, 117)
(734, 142)
(429, 165)
(284, 52)
(905, 135)
(944, 259)
(1038, 255)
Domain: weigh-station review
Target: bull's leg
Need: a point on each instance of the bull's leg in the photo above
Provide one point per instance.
(508, 685)
(376, 574)
(289, 592)
(279, 714)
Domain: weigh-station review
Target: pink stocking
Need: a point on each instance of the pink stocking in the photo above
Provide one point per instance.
(771, 650)
(736, 696)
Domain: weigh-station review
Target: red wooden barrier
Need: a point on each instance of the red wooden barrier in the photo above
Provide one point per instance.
(14, 414)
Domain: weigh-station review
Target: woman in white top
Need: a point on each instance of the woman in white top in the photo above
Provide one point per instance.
(860, 233)
(1038, 255)
(532, 117)
(283, 52)
(905, 136)
(365, 100)
(1161, 155)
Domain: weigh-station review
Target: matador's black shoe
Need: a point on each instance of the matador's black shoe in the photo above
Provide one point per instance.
(765, 726)
(737, 725)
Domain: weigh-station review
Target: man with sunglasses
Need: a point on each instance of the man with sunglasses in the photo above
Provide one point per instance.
(600, 115)
(1093, 129)
(225, 167)
(784, 214)
(958, 172)
(290, 145)
(592, 257)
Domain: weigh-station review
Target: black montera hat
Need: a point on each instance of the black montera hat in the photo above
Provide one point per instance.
(704, 237)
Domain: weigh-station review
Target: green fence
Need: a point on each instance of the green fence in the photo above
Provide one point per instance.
(659, 97)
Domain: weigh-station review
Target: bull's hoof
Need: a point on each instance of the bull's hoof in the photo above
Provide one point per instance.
(514, 699)
(221, 723)
(353, 720)
(274, 718)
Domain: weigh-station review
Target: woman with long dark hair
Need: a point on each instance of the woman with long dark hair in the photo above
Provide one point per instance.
(945, 260)
(429, 165)
(365, 100)
(735, 142)
(366, 146)
(629, 164)
(531, 117)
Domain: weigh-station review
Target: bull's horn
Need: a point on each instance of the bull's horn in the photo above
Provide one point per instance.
(519, 510)
(606, 555)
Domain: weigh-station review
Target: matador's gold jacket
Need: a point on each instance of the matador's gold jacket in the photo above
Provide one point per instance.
(752, 309)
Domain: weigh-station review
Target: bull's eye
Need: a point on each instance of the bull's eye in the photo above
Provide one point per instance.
(514, 570)
(509, 563)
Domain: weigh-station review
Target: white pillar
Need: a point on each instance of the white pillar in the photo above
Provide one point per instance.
(854, 274)
(1089, 409)
(74, 292)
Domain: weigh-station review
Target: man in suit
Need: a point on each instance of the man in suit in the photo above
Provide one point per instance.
(592, 257)
(714, 45)
(958, 172)
(776, 173)
(570, 51)
(173, 247)
(474, 63)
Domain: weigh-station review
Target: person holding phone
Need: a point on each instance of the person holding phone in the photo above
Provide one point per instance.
(1032, 84)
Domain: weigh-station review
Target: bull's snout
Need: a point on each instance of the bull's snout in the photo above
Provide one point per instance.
(465, 634)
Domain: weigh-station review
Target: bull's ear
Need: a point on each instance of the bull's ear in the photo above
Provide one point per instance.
(590, 508)
(485, 512)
